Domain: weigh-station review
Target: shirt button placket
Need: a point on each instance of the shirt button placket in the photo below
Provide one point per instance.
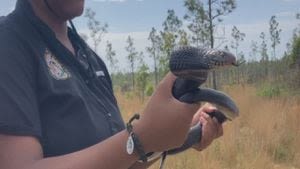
(113, 127)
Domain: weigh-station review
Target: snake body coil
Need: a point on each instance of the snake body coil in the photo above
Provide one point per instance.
(191, 65)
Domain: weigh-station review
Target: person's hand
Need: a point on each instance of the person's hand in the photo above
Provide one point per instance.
(165, 121)
(211, 129)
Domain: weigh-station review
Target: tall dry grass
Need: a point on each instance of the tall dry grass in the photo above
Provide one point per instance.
(265, 136)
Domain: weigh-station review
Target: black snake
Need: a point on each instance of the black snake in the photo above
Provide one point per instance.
(191, 65)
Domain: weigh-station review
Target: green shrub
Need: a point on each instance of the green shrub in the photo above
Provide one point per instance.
(149, 90)
(284, 151)
(269, 91)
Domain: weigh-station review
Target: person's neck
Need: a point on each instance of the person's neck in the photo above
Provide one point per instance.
(56, 24)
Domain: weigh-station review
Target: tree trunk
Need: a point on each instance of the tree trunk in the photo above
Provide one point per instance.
(132, 76)
(155, 70)
(211, 31)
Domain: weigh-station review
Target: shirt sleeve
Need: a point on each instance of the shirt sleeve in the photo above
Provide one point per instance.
(19, 113)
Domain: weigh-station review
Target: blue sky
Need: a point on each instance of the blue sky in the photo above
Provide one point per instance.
(137, 17)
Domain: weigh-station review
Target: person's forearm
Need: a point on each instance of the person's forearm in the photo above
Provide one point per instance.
(138, 165)
(109, 154)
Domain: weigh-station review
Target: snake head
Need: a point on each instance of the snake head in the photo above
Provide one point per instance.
(218, 58)
(194, 63)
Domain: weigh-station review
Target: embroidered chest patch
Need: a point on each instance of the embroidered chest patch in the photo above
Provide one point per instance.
(57, 70)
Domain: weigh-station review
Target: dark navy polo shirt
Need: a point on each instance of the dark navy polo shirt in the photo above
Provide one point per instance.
(44, 94)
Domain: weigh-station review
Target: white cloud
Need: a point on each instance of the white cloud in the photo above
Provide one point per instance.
(286, 14)
(119, 43)
(252, 31)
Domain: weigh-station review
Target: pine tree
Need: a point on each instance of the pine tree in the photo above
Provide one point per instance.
(238, 37)
(110, 56)
(154, 51)
(97, 29)
(170, 37)
(204, 19)
(132, 56)
(264, 53)
(142, 76)
(274, 34)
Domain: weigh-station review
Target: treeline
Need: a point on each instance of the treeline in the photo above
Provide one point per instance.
(202, 18)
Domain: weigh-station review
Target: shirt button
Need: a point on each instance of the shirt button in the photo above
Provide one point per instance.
(109, 114)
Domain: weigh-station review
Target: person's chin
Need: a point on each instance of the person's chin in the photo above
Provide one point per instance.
(75, 13)
(77, 9)
(80, 12)
(80, 9)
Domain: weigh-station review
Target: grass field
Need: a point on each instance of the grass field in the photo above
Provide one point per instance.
(265, 136)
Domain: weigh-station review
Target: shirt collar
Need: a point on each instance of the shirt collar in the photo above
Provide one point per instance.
(25, 10)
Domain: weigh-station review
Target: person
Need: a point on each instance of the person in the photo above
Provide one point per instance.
(57, 106)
